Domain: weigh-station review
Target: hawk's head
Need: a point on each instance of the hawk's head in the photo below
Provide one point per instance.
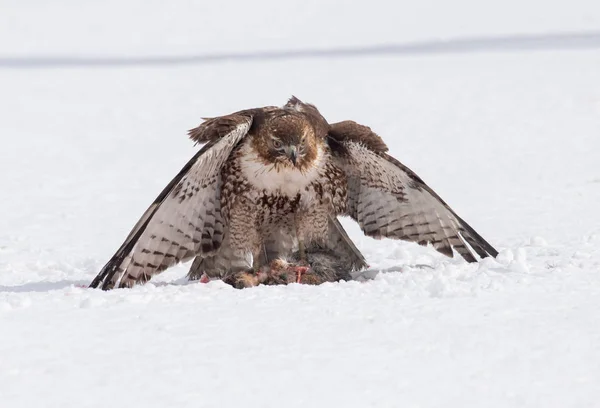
(288, 138)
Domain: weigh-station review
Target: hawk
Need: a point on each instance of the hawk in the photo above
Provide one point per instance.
(274, 179)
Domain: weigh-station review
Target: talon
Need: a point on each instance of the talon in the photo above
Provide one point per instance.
(204, 278)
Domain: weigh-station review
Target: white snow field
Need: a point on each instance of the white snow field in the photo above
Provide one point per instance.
(496, 105)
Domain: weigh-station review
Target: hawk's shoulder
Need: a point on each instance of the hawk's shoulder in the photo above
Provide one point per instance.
(215, 128)
(350, 131)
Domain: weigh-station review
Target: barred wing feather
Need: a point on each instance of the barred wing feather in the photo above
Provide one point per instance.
(184, 221)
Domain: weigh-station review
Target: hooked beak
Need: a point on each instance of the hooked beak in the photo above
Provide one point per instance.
(292, 153)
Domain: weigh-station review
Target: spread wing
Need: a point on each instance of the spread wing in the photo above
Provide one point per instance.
(389, 200)
(184, 220)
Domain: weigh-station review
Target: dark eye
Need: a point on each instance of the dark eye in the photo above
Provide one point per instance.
(276, 143)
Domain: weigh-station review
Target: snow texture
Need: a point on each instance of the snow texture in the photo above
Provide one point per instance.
(496, 105)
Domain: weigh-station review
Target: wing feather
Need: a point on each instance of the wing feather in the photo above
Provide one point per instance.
(389, 200)
(184, 220)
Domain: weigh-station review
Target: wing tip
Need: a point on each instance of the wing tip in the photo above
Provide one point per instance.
(477, 243)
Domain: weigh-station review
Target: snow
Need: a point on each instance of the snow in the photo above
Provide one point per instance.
(509, 139)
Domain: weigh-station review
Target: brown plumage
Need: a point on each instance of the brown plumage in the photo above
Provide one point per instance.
(271, 181)
(331, 262)
(321, 265)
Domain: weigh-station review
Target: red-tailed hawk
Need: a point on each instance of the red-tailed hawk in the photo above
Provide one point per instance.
(271, 180)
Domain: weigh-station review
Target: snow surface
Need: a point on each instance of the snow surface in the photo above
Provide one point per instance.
(510, 139)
